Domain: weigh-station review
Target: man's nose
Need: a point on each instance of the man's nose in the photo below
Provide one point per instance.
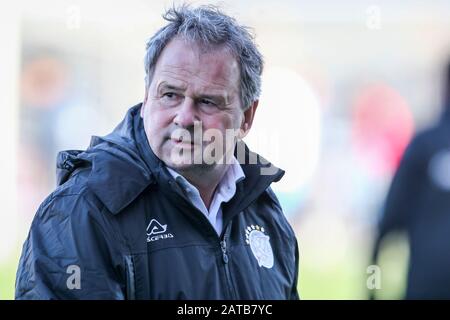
(186, 114)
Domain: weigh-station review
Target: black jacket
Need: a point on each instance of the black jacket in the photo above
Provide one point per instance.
(119, 227)
(420, 207)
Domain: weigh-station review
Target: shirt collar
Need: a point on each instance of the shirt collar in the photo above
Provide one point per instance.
(232, 176)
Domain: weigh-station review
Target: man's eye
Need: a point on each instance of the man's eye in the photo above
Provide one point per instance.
(207, 102)
(169, 95)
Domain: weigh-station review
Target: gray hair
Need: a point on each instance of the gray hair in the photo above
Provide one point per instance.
(211, 28)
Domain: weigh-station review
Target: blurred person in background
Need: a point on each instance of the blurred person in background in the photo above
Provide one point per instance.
(130, 220)
(418, 203)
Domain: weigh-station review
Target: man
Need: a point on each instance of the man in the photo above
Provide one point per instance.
(418, 203)
(161, 208)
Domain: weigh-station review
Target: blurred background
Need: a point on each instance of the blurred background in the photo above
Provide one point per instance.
(345, 87)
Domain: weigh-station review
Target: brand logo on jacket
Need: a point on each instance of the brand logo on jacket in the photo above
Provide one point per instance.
(157, 231)
(259, 243)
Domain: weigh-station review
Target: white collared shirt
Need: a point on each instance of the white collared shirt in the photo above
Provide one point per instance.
(225, 190)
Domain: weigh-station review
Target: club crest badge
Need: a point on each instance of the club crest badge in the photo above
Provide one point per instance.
(259, 243)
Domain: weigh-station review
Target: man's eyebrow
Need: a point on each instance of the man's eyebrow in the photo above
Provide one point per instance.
(165, 85)
(216, 97)
(210, 95)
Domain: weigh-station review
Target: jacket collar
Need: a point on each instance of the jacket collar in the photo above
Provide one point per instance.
(118, 175)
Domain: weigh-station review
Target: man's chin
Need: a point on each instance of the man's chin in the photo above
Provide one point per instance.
(184, 157)
(187, 164)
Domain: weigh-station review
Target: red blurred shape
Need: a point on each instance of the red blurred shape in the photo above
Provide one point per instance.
(382, 127)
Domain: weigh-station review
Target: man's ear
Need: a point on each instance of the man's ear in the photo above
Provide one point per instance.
(249, 115)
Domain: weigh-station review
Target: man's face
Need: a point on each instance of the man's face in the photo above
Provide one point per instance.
(192, 91)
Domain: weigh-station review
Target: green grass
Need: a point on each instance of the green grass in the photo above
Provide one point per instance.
(8, 270)
(393, 261)
(346, 278)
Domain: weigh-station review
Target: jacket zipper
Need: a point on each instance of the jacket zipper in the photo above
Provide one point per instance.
(223, 246)
(225, 260)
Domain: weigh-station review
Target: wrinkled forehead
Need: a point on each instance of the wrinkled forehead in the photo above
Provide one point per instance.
(188, 60)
